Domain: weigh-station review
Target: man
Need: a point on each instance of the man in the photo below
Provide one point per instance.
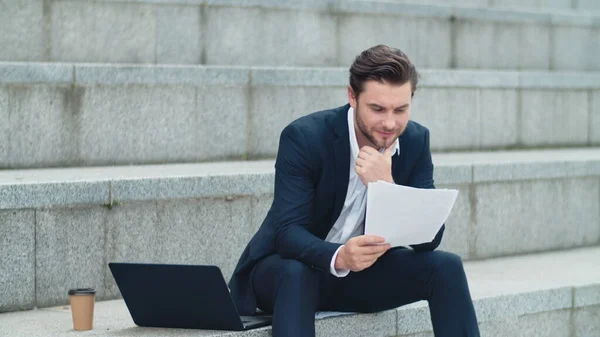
(310, 254)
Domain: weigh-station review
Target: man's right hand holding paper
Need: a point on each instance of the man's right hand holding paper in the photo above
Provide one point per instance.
(361, 252)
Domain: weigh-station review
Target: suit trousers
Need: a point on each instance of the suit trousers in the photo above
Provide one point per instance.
(293, 291)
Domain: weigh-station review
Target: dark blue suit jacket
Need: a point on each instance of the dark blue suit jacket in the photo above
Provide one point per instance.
(311, 181)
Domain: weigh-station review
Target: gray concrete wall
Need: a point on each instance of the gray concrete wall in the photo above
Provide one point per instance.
(206, 213)
(65, 115)
(300, 33)
(582, 6)
(17, 260)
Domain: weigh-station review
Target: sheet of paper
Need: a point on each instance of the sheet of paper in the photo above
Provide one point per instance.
(326, 314)
(405, 215)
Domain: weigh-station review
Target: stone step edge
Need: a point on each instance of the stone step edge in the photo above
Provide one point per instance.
(410, 319)
(39, 188)
(562, 294)
(202, 75)
(513, 15)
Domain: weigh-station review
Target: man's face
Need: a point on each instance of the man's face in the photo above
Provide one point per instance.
(382, 112)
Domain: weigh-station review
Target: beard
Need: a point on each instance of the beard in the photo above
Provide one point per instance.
(370, 134)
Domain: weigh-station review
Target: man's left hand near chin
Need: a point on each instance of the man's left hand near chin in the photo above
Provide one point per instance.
(372, 165)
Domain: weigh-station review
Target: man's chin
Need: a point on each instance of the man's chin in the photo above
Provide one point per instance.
(387, 143)
(383, 143)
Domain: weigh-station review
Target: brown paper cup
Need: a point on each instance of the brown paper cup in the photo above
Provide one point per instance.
(82, 308)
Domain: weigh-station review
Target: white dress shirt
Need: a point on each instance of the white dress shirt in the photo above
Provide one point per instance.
(350, 223)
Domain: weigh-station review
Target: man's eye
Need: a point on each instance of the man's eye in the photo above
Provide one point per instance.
(377, 109)
(400, 111)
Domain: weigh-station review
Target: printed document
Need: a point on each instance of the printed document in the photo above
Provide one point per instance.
(404, 215)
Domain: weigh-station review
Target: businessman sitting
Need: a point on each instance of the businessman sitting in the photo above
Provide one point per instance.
(310, 254)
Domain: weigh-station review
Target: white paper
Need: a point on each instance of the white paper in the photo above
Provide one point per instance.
(326, 314)
(404, 215)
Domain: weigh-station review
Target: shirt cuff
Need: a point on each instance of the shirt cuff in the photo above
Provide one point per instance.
(337, 272)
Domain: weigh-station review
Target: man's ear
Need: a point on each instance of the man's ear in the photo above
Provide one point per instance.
(351, 97)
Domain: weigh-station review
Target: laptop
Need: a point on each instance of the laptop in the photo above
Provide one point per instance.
(180, 296)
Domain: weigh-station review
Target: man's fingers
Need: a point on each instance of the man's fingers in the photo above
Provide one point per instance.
(360, 171)
(374, 249)
(365, 262)
(368, 150)
(365, 250)
(360, 266)
(363, 155)
(381, 254)
(366, 240)
(368, 263)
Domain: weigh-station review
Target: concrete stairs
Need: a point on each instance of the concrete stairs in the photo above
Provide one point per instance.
(539, 295)
(62, 226)
(441, 34)
(144, 130)
(145, 114)
(540, 5)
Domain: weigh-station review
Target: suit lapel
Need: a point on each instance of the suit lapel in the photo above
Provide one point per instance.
(399, 164)
(341, 161)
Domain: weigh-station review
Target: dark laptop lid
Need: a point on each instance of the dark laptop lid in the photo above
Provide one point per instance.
(176, 296)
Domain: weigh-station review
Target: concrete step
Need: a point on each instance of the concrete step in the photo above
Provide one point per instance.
(84, 114)
(297, 33)
(543, 5)
(60, 227)
(546, 295)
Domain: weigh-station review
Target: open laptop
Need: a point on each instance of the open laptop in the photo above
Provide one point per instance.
(180, 296)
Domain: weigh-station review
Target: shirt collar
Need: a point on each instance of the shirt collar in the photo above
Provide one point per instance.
(354, 141)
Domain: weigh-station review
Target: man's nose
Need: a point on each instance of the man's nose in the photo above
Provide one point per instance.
(389, 122)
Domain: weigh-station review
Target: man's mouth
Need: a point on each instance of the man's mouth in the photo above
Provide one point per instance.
(386, 134)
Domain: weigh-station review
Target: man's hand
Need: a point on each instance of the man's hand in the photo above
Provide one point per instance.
(371, 165)
(361, 252)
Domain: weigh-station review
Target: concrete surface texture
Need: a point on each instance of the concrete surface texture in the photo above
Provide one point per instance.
(145, 131)
(501, 34)
(153, 114)
(513, 202)
(550, 294)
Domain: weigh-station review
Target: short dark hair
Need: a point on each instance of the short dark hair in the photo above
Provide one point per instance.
(383, 64)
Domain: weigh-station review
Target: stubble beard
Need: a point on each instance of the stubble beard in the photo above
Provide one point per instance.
(362, 128)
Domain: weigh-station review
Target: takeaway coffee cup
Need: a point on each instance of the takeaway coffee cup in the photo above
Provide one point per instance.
(82, 307)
